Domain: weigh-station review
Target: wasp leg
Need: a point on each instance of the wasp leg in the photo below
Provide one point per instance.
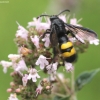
(48, 31)
(55, 52)
(67, 32)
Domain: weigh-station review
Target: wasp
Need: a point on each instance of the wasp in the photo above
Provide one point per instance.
(59, 31)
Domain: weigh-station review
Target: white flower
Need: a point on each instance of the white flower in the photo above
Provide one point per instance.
(52, 77)
(33, 75)
(42, 61)
(5, 65)
(52, 68)
(49, 67)
(39, 90)
(13, 97)
(68, 66)
(35, 22)
(96, 41)
(35, 40)
(47, 40)
(20, 66)
(25, 79)
(21, 32)
(63, 17)
(14, 57)
(74, 21)
(39, 24)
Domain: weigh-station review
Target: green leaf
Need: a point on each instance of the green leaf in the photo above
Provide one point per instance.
(60, 98)
(85, 78)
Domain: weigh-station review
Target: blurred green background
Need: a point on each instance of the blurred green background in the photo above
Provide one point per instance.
(24, 10)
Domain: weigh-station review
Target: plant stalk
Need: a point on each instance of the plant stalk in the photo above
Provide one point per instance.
(73, 95)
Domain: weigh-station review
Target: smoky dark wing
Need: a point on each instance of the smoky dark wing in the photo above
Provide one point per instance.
(81, 33)
(53, 37)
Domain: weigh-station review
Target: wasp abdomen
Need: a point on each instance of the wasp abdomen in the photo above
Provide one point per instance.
(68, 51)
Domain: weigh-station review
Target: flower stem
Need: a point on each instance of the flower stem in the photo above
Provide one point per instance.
(73, 95)
(72, 80)
(58, 94)
(64, 86)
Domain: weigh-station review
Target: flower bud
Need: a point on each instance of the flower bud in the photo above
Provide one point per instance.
(9, 90)
(48, 87)
(61, 63)
(12, 84)
(45, 80)
(25, 51)
(13, 74)
(18, 90)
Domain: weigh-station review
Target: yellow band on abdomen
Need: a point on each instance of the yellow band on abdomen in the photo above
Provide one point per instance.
(68, 54)
(66, 45)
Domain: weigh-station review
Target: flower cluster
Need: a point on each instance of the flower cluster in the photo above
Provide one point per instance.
(35, 55)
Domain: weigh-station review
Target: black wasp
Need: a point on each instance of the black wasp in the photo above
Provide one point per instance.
(59, 35)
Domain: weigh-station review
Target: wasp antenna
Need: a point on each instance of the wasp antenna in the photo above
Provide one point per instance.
(63, 11)
(43, 15)
(38, 17)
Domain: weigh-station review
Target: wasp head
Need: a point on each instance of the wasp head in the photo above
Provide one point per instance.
(53, 17)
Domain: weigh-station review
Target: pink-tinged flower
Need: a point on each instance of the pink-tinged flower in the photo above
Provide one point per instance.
(96, 41)
(52, 68)
(39, 24)
(52, 77)
(63, 17)
(42, 61)
(14, 57)
(35, 40)
(35, 22)
(25, 79)
(33, 74)
(21, 32)
(5, 65)
(47, 40)
(39, 90)
(74, 21)
(9, 90)
(13, 97)
(18, 90)
(20, 66)
(68, 66)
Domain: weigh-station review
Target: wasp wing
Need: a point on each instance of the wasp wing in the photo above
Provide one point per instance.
(53, 37)
(81, 33)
